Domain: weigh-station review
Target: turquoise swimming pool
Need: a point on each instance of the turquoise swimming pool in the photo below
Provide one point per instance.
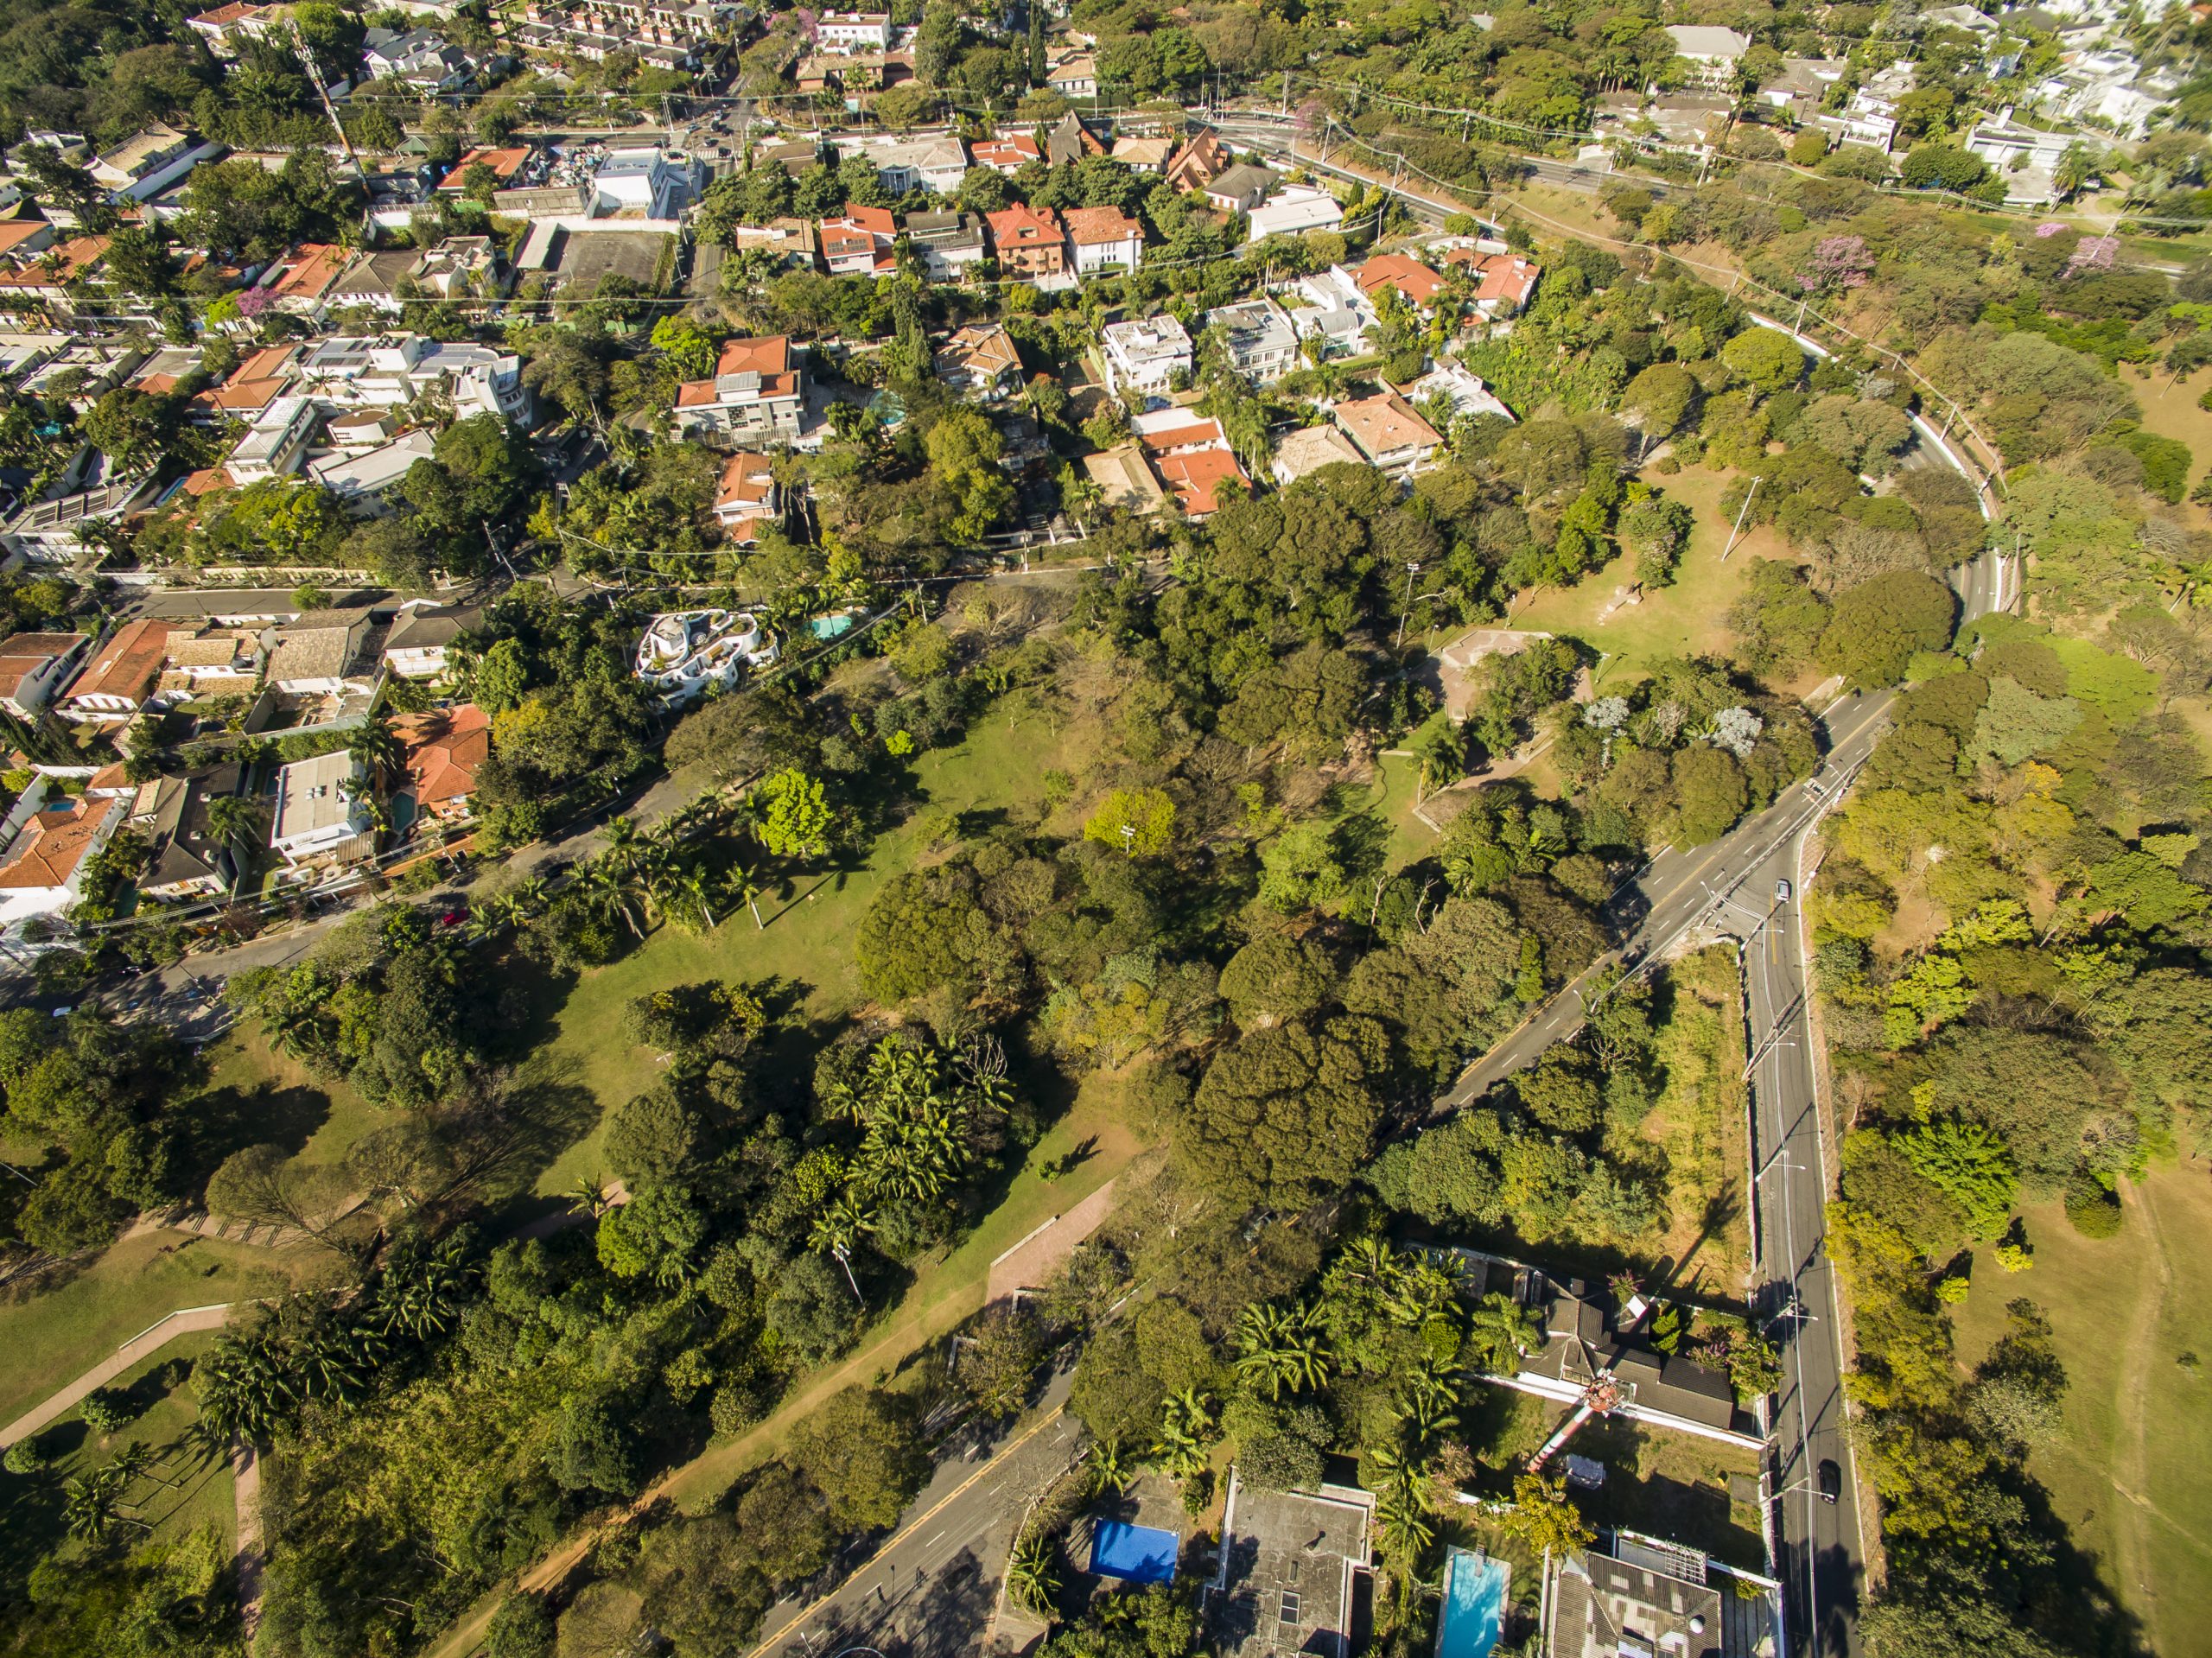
(830, 628)
(1474, 1605)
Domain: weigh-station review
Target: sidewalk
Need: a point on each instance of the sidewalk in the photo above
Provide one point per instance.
(140, 1347)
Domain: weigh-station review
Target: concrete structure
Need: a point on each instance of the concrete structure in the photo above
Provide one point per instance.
(187, 859)
(1028, 242)
(758, 394)
(643, 182)
(121, 678)
(1144, 354)
(1125, 482)
(224, 27)
(950, 243)
(1104, 238)
(1263, 346)
(420, 641)
(1633, 1594)
(142, 167)
(1387, 431)
(904, 164)
(1006, 155)
(365, 480)
(1289, 1564)
(384, 370)
(684, 652)
(2023, 157)
(1293, 211)
(36, 666)
(321, 816)
(277, 442)
(1713, 53)
(1327, 306)
(748, 500)
(1458, 387)
(852, 31)
(980, 361)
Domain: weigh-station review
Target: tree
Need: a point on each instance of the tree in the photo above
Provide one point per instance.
(1663, 395)
(1032, 1573)
(1139, 822)
(1970, 1165)
(1273, 978)
(791, 814)
(522, 1627)
(1768, 358)
(865, 1453)
(1281, 1347)
(1545, 1518)
(1285, 1113)
(1874, 628)
(688, 348)
(1501, 1333)
(1710, 793)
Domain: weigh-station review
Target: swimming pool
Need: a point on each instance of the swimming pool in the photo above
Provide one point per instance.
(1474, 1605)
(1136, 1553)
(830, 628)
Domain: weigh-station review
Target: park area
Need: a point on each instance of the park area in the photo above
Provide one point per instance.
(2130, 1471)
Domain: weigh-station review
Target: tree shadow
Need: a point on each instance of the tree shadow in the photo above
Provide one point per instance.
(228, 1119)
(950, 1614)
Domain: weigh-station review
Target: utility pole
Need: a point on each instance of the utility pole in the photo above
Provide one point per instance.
(1740, 512)
(315, 77)
(1286, 91)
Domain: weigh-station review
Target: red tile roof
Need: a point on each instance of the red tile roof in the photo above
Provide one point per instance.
(747, 481)
(504, 163)
(222, 16)
(1382, 424)
(1092, 226)
(1196, 476)
(1414, 281)
(52, 845)
(127, 665)
(318, 267)
(1023, 226)
(444, 749)
(769, 357)
(64, 262)
(14, 233)
(1005, 154)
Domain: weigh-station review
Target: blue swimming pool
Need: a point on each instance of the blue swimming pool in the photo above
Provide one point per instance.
(830, 628)
(1136, 1553)
(1474, 1605)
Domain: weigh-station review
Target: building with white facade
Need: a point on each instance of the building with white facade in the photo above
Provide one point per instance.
(758, 394)
(384, 371)
(41, 873)
(1294, 210)
(1144, 354)
(1262, 345)
(852, 31)
(321, 818)
(274, 444)
(1103, 238)
(748, 500)
(685, 651)
(1329, 306)
(142, 167)
(1713, 53)
(34, 666)
(644, 182)
(366, 480)
(903, 164)
(52, 530)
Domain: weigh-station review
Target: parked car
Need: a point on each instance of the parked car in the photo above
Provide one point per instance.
(1831, 1481)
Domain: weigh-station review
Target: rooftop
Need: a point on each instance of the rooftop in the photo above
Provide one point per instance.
(1288, 1560)
(1385, 425)
(1098, 226)
(128, 664)
(52, 844)
(314, 795)
(444, 749)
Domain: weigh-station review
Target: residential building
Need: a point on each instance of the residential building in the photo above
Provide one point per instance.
(1008, 154)
(1292, 211)
(1968, 18)
(20, 237)
(1199, 162)
(508, 166)
(120, 679)
(1144, 354)
(38, 291)
(1263, 346)
(384, 370)
(422, 60)
(1241, 188)
(980, 361)
(1144, 155)
(36, 666)
(1309, 448)
(1288, 1571)
(2024, 158)
(859, 242)
(321, 653)
(1328, 306)
(41, 873)
(684, 652)
(364, 480)
(1503, 283)
(253, 385)
(186, 859)
(904, 164)
(1459, 388)
(1125, 482)
(420, 641)
(1028, 242)
(445, 749)
(322, 819)
(227, 26)
(51, 531)
(142, 167)
(1413, 282)
(1190, 457)
(643, 182)
(1631, 1593)
(1711, 54)
(1104, 238)
(1069, 142)
(1386, 430)
(950, 243)
(1072, 75)
(1803, 85)
(758, 394)
(301, 284)
(747, 500)
(210, 659)
(852, 31)
(274, 444)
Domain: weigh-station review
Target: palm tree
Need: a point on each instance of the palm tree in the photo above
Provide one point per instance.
(610, 887)
(739, 884)
(238, 823)
(2193, 584)
(90, 1503)
(1500, 1333)
(375, 748)
(1031, 1574)
(1281, 1348)
(836, 1229)
(297, 1032)
(1109, 1468)
(1403, 1526)
(620, 834)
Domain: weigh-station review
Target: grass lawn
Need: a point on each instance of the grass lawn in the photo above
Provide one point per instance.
(1672, 1485)
(1396, 777)
(184, 1491)
(55, 1332)
(808, 941)
(1688, 618)
(1700, 1122)
(2170, 411)
(282, 1102)
(2131, 1478)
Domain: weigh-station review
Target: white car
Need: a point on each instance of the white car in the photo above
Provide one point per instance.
(1781, 892)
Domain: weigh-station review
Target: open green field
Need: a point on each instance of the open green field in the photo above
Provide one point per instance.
(2170, 409)
(54, 1329)
(2131, 1478)
(1688, 618)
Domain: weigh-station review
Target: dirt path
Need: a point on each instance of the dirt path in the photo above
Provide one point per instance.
(2130, 1472)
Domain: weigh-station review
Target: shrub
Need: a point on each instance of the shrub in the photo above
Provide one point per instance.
(2093, 1207)
(25, 1457)
(105, 1409)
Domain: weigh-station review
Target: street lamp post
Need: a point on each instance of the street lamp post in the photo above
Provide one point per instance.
(1412, 570)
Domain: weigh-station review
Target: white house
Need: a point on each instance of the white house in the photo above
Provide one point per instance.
(757, 393)
(224, 27)
(1296, 209)
(274, 445)
(420, 644)
(1262, 345)
(1331, 306)
(852, 31)
(747, 501)
(121, 678)
(1460, 388)
(322, 812)
(34, 666)
(42, 873)
(950, 243)
(364, 479)
(1145, 354)
(1104, 238)
(1713, 53)
(684, 652)
(384, 371)
(646, 182)
(47, 531)
(903, 164)
(2023, 157)
(142, 167)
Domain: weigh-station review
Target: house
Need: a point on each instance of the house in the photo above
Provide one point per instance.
(1241, 188)
(1144, 354)
(757, 393)
(1413, 281)
(1803, 86)
(301, 283)
(1006, 155)
(187, 858)
(20, 237)
(321, 653)
(322, 817)
(42, 286)
(1289, 1564)
(276, 442)
(420, 641)
(1028, 242)
(682, 652)
(227, 26)
(1199, 162)
(252, 386)
(643, 182)
(34, 666)
(121, 678)
(2025, 159)
(1631, 1593)
(1386, 430)
(42, 871)
(364, 480)
(1504, 282)
(386, 371)
(1073, 74)
(1459, 388)
(1144, 155)
(143, 167)
(1296, 209)
(747, 500)
(859, 242)
(1069, 142)
(1694, 120)
(1263, 346)
(980, 361)
(904, 164)
(420, 58)
(950, 243)
(444, 750)
(1332, 309)
(1711, 54)
(1309, 448)
(209, 659)
(52, 530)
(1104, 238)
(852, 31)
(1125, 482)
(1190, 457)
(505, 165)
